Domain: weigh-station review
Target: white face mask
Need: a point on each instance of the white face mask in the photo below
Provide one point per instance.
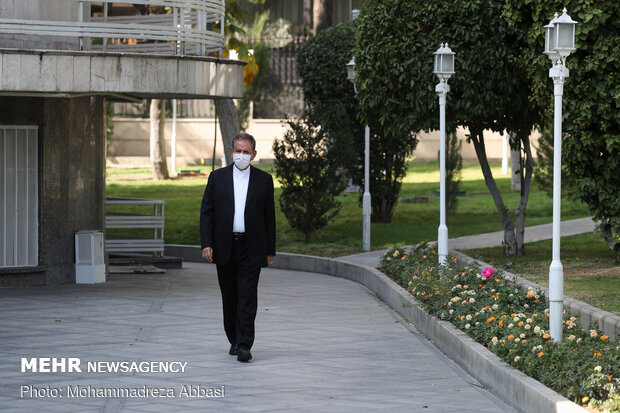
(241, 160)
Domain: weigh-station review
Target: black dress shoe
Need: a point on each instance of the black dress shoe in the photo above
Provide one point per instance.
(233, 350)
(243, 354)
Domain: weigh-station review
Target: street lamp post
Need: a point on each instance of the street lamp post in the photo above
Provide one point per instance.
(559, 44)
(444, 68)
(366, 197)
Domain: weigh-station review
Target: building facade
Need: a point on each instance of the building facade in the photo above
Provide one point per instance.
(60, 62)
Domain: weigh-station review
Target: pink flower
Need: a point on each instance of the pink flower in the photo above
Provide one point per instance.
(487, 273)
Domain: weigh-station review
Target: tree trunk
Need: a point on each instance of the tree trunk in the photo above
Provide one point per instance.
(229, 124)
(321, 14)
(510, 242)
(515, 166)
(525, 193)
(157, 143)
(307, 17)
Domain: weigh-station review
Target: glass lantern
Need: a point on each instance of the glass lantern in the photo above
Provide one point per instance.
(444, 62)
(550, 39)
(351, 72)
(564, 34)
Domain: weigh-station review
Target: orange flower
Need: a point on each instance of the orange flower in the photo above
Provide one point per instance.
(609, 378)
(489, 320)
(597, 355)
(510, 337)
(603, 338)
(541, 354)
(501, 323)
(520, 323)
(545, 335)
(585, 399)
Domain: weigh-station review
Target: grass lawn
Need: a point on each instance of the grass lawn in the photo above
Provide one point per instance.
(590, 271)
(411, 223)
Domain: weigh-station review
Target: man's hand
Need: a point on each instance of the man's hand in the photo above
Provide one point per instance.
(207, 254)
(269, 259)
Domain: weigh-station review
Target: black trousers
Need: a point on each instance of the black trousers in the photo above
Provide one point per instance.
(238, 280)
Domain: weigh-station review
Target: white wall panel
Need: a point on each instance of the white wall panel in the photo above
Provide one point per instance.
(19, 196)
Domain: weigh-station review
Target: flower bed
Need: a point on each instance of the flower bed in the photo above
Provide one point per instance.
(513, 324)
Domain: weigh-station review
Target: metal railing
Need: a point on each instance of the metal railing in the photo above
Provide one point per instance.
(188, 29)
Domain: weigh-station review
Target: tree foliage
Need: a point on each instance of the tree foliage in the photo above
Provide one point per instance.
(591, 102)
(307, 167)
(322, 67)
(489, 90)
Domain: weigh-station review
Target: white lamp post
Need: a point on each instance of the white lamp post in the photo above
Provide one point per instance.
(444, 68)
(366, 197)
(174, 138)
(559, 43)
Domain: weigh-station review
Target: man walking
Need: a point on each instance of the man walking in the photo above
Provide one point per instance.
(238, 233)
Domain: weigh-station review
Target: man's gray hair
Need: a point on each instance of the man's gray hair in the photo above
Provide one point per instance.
(244, 137)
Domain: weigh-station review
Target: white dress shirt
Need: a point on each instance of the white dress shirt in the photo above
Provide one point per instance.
(241, 179)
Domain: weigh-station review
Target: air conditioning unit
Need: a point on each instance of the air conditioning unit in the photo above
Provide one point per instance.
(89, 263)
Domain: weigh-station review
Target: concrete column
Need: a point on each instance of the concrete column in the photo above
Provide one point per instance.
(72, 180)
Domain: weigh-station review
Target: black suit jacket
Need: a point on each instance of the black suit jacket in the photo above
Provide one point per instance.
(217, 212)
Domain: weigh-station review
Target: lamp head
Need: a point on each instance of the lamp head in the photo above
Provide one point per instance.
(444, 62)
(564, 34)
(549, 40)
(351, 70)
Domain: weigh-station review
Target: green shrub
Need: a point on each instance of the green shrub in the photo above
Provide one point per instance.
(306, 165)
(511, 322)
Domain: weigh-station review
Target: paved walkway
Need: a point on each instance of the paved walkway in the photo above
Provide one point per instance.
(492, 239)
(323, 344)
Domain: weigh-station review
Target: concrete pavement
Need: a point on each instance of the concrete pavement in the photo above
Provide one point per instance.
(491, 239)
(532, 234)
(324, 344)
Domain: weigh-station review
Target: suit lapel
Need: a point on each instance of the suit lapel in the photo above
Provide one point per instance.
(251, 187)
(230, 185)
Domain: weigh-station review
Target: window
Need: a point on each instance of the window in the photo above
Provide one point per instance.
(19, 196)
